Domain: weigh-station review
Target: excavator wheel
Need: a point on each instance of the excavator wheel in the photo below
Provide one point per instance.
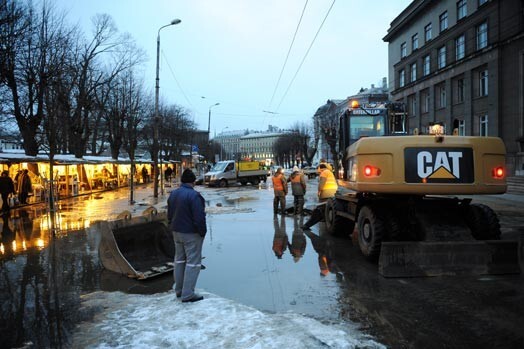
(483, 222)
(337, 225)
(371, 230)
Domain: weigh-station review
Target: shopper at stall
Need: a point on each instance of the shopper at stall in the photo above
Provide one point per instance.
(6, 187)
(24, 186)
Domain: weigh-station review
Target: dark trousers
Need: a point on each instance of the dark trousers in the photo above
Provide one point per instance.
(5, 204)
(298, 203)
(282, 201)
(23, 197)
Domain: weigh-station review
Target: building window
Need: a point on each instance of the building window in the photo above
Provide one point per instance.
(413, 72)
(441, 96)
(482, 2)
(412, 105)
(483, 130)
(462, 9)
(403, 50)
(482, 35)
(425, 101)
(483, 83)
(460, 90)
(427, 32)
(427, 65)
(442, 57)
(401, 78)
(414, 42)
(461, 128)
(443, 21)
(460, 47)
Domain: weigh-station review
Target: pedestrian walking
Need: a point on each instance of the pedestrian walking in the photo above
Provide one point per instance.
(7, 187)
(145, 175)
(280, 190)
(298, 189)
(187, 220)
(327, 187)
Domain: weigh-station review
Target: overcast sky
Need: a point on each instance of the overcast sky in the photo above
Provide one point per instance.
(233, 51)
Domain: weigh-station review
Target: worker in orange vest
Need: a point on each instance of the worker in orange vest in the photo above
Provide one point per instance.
(327, 187)
(298, 189)
(280, 190)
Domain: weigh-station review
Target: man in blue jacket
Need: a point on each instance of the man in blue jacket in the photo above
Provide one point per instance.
(187, 220)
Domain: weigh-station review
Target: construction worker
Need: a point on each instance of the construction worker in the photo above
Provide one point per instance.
(280, 190)
(328, 165)
(327, 187)
(298, 189)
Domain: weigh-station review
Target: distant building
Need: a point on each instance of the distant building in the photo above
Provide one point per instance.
(462, 63)
(230, 143)
(256, 145)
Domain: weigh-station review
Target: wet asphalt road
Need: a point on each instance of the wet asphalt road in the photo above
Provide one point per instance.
(260, 261)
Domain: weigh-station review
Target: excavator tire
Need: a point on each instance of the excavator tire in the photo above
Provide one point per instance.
(371, 230)
(483, 222)
(335, 224)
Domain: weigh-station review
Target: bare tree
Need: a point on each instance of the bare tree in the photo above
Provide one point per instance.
(99, 62)
(26, 69)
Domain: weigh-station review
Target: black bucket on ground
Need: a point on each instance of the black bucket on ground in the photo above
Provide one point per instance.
(140, 247)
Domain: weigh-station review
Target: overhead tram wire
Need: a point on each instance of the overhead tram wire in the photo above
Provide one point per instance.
(305, 56)
(288, 52)
(176, 80)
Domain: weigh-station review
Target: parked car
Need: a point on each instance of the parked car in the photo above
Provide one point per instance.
(310, 171)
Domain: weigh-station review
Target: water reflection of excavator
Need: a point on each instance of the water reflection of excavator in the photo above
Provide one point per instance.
(398, 192)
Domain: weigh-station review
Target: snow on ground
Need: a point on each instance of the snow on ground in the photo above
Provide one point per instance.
(162, 321)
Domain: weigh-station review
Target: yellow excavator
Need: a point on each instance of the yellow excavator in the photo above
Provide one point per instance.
(399, 196)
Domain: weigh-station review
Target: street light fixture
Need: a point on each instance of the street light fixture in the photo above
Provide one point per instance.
(157, 119)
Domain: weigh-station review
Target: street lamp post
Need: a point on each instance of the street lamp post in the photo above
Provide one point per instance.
(209, 119)
(209, 124)
(157, 119)
(221, 143)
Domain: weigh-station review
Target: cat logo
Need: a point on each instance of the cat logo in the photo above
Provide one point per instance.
(439, 165)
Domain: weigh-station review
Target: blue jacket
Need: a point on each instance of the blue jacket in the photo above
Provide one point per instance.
(186, 211)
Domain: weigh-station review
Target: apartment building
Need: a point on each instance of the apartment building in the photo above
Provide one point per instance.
(462, 63)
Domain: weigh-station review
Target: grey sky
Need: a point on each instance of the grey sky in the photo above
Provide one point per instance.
(232, 52)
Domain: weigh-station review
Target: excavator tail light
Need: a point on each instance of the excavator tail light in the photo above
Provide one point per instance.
(371, 171)
(498, 172)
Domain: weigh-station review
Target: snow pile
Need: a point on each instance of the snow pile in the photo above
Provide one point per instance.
(162, 321)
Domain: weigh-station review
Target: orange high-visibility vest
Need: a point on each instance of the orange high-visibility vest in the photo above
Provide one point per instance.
(277, 183)
(296, 179)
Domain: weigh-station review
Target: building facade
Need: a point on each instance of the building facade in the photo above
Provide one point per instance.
(255, 145)
(461, 63)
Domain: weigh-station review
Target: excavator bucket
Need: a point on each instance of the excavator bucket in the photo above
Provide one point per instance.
(139, 247)
(415, 259)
